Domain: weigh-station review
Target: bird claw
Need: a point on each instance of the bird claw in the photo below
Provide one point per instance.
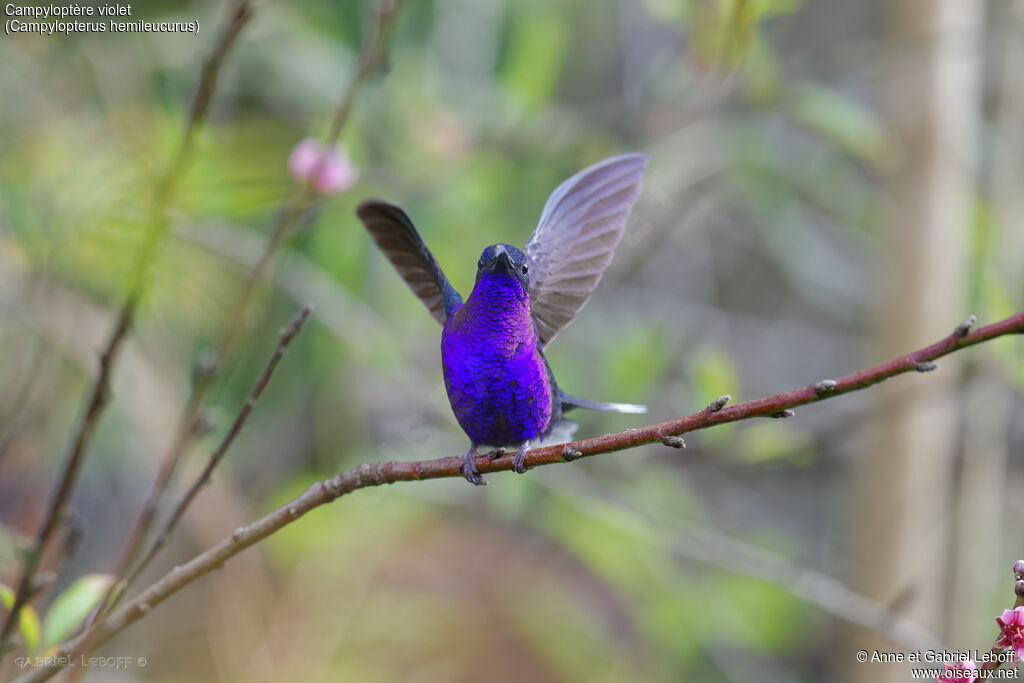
(470, 471)
(519, 462)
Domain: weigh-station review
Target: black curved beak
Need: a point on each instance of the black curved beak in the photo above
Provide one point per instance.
(502, 261)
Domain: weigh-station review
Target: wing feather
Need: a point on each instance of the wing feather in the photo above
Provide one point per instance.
(579, 229)
(395, 234)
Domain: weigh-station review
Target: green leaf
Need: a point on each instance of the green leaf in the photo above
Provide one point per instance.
(6, 596)
(30, 628)
(72, 606)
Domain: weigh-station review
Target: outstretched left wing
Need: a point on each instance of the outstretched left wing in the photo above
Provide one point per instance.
(582, 223)
(395, 234)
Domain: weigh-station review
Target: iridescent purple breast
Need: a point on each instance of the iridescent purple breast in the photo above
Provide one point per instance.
(497, 380)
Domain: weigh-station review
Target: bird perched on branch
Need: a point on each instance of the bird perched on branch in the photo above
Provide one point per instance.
(499, 384)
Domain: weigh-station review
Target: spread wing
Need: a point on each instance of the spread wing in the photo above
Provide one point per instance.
(394, 233)
(582, 223)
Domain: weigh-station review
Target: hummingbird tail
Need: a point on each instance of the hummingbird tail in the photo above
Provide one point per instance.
(560, 432)
(569, 402)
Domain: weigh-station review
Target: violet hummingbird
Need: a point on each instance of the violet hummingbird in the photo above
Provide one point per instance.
(499, 384)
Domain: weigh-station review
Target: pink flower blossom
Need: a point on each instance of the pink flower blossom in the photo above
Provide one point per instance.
(337, 173)
(960, 672)
(1011, 623)
(304, 159)
(329, 171)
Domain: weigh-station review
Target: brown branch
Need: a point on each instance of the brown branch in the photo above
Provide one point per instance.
(286, 219)
(97, 397)
(66, 481)
(238, 15)
(113, 594)
(286, 338)
(381, 473)
(292, 211)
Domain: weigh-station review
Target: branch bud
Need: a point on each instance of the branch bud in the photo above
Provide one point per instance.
(963, 328)
(825, 386)
(718, 403)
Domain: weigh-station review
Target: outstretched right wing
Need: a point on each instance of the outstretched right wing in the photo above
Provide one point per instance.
(394, 233)
(580, 227)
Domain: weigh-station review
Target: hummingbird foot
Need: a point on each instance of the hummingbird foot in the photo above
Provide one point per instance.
(470, 471)
(518, 462)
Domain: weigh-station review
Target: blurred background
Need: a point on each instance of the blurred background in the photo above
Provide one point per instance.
(831, 184)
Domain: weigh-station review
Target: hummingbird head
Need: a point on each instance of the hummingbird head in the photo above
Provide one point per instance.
(504, 262)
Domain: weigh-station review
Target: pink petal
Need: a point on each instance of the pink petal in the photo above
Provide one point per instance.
(336, 174)
(304, 159)
(948, 674)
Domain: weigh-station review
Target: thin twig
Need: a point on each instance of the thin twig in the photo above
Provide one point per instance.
(68, 476)
(381, 473)
(98, 395)
(287, 335)
(207, 368)
(286, 218)
(179, 510)
(295, 208)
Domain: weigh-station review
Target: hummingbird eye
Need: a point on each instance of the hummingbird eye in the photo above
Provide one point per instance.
(526, 269)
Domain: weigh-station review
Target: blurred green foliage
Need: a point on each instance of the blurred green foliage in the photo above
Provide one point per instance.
(744, 272)
(70, 608)
(28, 620)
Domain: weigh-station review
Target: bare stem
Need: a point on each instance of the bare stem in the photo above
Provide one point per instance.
(287, 335)
(288, 216)
(179, 510)
(381, 473)
(286, 219)
(97, 397)
(294, 209)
